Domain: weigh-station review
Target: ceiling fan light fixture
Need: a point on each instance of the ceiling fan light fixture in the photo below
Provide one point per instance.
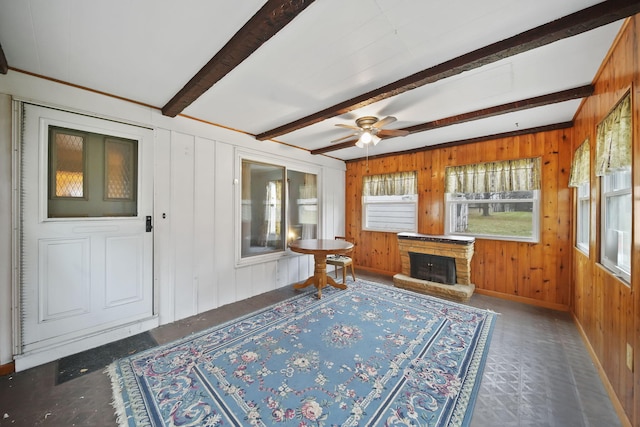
(367, 129)
(366, 137)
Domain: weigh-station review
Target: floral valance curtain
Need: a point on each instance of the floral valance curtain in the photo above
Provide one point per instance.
(390, 184)
(581, 165)
(508, 175)
(613, 143)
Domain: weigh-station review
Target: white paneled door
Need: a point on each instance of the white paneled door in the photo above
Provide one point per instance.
(85, 241)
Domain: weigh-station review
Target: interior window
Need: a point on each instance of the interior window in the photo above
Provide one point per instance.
(303, 205)
(262, 208)
(278, 205)
(91, 175)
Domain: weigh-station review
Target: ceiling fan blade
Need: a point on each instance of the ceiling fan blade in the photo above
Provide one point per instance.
(347, 126)
(346, 137)
(381, 123)
(388, 133)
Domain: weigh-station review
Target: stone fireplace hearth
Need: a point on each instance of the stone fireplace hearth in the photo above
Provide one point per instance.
(458, 248)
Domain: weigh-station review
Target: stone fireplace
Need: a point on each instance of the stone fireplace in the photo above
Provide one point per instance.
(436, 265)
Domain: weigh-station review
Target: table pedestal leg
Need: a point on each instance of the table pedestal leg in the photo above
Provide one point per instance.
(320, 278)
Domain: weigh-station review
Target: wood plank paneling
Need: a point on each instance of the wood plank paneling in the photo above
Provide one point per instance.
(533, 269)
(552, 271)
(603, 305)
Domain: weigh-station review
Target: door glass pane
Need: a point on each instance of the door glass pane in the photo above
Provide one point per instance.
(120, 161)
(91, 175)
(68, 165)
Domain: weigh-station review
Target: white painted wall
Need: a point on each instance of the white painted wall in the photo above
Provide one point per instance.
(6, 256)
(194, 194)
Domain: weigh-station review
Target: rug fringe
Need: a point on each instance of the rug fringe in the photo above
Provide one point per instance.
(118, 401)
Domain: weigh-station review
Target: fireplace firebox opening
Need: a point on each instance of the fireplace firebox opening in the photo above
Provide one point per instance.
(435, 268)
(449, 279)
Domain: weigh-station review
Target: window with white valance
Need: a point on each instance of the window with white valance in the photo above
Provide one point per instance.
(581, 165)
(613, 165)
(390, 202)
(579, 178)
(504, 176)
(497, 200)
(613, 144)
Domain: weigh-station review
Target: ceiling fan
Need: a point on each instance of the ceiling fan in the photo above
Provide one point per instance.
(369, 130)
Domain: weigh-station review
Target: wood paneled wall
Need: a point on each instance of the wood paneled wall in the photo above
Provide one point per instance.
(536, 272)
(552, 272)
(605, 307)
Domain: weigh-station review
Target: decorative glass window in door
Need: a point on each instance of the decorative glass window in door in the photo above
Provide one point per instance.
(91, 175)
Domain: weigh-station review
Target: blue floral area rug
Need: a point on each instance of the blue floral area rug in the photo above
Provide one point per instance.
(368, 355)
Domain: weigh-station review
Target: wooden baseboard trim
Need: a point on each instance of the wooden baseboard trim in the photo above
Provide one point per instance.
(373, 270)
(7, 369)
(529, 301)
(624, 419)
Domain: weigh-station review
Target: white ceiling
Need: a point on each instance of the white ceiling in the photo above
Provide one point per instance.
(334, 50)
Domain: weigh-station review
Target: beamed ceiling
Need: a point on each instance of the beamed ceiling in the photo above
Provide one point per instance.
(451, 72)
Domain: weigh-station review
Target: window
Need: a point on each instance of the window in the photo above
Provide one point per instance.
(499, 200)
(582, 217)
(580, 179)
(390, 202)
(303, 205)
(616, 219)
(278, 205)
(91, 175)
(613, 165)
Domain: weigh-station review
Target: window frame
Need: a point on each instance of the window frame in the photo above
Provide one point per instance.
(605, 193)
(407, 199)
(535, 217)
(394, 182)
(94, 202)
(254, 157)
(583, 229)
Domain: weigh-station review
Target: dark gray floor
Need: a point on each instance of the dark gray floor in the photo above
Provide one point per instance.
(538, 373)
